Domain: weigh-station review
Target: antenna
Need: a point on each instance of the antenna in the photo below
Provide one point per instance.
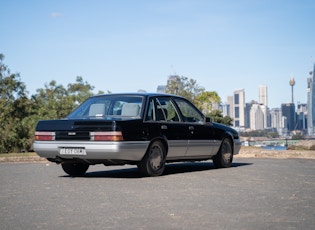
(292, 83)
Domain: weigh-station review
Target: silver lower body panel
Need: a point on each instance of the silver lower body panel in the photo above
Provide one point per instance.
(127, 150)
(237, 146)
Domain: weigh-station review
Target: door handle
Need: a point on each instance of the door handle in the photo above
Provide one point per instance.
(163, 126)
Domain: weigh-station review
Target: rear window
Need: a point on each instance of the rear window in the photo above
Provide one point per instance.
(109, 107)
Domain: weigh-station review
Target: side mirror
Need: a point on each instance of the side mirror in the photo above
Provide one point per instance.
(208, 120)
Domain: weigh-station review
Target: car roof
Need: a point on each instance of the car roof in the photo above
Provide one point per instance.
(138, 94)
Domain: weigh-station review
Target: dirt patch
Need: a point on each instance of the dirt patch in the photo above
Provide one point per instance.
(303, 145)
(22, 159)
(250, 152)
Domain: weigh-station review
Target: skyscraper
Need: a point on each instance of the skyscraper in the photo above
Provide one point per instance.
(230, 103)
(301, 113)
(248, 107)
(263, 95)
(311, 102)
(288, 111)
(256, 117)
(239, 108)
(277, 120)
(263, 101)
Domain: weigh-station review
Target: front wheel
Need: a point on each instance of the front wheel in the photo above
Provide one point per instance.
(75, 169)
(153, 163)
(224, 157)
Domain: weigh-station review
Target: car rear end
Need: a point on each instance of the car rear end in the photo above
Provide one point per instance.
(102, 128)
(85, 142)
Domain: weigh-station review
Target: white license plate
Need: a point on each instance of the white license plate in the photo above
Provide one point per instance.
(72, 151)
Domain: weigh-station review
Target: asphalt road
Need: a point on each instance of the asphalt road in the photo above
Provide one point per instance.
(253, 194)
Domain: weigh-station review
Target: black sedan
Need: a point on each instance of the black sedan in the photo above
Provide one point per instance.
(143, 129)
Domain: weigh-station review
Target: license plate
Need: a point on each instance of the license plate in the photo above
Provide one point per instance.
(72, 151)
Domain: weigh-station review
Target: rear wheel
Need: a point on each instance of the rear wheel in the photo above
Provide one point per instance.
(153, 163)
(75, 169)
(224, 157)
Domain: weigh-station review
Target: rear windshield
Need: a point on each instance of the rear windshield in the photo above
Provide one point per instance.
(109, 107)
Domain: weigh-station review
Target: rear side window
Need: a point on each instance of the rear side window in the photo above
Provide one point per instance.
(162, 109)
(109, 106)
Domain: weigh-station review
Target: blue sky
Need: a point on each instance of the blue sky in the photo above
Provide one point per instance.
(123, 45)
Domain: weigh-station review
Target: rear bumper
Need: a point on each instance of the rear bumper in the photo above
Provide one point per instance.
(127, 150)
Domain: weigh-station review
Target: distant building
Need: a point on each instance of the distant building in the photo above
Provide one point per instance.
(276, 119)
(225, 108)
(263, 101)
(248, 107)
(239, 108)
(230, 110)
(263, 95)
(301, 117)
(256, 117)
(265, 111)
(311, 103)
(284, 131)
(288, 111)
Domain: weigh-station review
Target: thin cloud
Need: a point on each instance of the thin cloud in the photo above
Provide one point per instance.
(56, 15)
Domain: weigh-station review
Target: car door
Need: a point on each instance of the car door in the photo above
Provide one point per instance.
(201, 141)
(163, 114)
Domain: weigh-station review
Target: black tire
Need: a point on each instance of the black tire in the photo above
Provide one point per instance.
(153, 163)
(75, 169)
(224, 157)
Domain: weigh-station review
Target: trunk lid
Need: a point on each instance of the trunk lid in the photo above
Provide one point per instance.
(67, 129)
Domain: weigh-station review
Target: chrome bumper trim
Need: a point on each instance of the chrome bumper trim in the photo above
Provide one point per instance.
(127, 150)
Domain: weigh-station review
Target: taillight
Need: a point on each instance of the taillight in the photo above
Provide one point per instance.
(106, 136)
(45, 136)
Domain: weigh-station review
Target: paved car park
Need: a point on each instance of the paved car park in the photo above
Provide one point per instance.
(252, 194)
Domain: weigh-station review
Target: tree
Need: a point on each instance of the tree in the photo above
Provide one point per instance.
(260, 133)
(207, 101)
(52, 102)
(216, 116)
(80, 90)
(184, 87)
(55, 101)
(19, 113)
(14, 108)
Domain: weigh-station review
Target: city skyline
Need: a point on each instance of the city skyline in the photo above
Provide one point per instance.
(290, 118)
(263, 98)
(124, 46)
